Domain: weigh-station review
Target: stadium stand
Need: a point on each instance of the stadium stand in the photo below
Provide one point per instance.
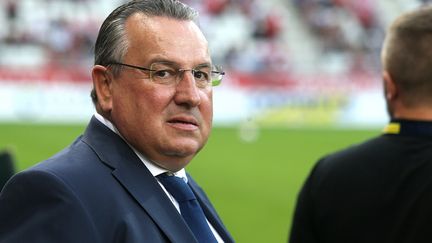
(247, 36)
(294, 46)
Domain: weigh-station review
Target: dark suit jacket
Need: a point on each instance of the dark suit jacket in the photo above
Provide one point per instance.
(379, 191)
(96, 190)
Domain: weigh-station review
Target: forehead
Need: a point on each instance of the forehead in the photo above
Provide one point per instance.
(180, 41)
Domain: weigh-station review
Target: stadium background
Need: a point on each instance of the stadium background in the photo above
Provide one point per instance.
(303, 79)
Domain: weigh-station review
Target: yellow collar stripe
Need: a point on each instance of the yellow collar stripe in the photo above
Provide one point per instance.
(392, 128)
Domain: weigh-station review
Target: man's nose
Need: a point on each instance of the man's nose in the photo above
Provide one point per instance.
(186, 90)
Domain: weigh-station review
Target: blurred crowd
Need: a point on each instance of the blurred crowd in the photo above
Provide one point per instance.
(245, 35)
(63, 31)
(346, 27)
(54, 33)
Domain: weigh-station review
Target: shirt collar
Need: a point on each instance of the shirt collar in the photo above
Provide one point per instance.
(154, 169)
(407, 127)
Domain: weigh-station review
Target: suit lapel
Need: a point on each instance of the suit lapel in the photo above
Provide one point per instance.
(129, 170)
(210, 212)
(139, 182)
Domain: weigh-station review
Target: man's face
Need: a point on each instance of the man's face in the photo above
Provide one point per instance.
(169, 124)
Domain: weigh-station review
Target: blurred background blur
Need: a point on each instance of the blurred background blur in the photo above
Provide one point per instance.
(303, 79)
(288, 62)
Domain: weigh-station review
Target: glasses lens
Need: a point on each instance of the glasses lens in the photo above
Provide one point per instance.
(202, 76)
(162, 73)
(217, 75)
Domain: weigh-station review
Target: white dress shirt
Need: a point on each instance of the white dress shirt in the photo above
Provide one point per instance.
(155, 170)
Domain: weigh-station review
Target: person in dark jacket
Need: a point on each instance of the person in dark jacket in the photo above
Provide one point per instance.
(380, 191)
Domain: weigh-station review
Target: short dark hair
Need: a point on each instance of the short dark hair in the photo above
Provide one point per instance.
(111, 43)
(407, 56)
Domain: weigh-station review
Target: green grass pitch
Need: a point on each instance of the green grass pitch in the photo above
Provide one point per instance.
(253, 184)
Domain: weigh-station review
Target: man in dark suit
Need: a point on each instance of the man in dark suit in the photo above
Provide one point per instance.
(381, 190)
(153, 79)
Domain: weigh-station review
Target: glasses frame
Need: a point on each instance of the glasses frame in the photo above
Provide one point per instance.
(213, 82)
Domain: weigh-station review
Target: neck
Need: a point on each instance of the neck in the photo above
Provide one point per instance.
(418, 113)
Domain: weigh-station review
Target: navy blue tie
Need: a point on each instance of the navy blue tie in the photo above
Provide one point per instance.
(190, 209)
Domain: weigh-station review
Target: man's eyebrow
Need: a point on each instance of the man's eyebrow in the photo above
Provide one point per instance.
(203, 65)
(172, 63)
(206, 64)
(164, 61)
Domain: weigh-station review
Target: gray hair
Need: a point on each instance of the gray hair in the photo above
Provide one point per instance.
(111, 43)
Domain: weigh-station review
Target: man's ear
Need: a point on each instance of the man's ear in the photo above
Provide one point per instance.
(102, 81)
(390, 88)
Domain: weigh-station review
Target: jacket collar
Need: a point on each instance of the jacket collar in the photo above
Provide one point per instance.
(404, 127)
(137, 180)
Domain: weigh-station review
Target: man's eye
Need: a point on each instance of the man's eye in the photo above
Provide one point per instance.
(164, 74)
(199, 75)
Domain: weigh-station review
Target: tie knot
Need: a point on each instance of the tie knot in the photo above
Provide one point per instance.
(178, 188)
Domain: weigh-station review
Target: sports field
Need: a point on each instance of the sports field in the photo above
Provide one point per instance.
(252, 184)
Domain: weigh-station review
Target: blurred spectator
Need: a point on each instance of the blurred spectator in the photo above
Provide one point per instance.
(268, 27)
(7, 167)
(60, 41)
(11, 8)
(216, 7)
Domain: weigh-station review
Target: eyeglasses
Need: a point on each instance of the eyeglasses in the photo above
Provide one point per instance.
(168, 73)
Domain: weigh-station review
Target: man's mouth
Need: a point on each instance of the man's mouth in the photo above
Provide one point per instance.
(184, 122)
